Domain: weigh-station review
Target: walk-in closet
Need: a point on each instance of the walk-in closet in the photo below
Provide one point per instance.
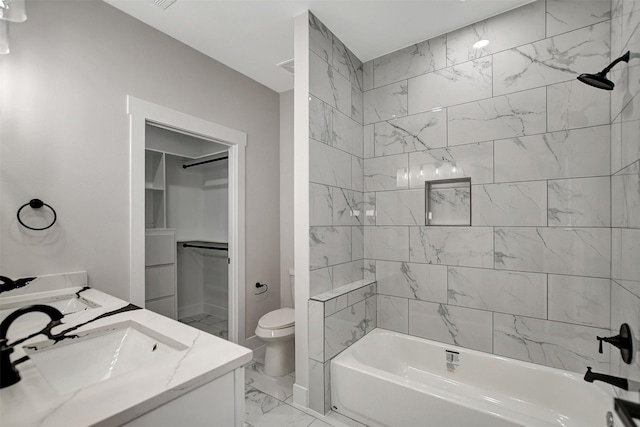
(186, 219)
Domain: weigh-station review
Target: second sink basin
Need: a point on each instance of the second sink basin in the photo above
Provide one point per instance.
(100, 354)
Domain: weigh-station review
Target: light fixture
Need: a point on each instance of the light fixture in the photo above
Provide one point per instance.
(443, 170)
(480, 44)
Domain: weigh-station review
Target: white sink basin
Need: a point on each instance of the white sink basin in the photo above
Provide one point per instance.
(101, 354)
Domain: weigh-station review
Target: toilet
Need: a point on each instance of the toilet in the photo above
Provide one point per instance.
(277, 329)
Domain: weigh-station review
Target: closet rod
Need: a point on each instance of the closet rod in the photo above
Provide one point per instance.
(204, 162)
(186, 245)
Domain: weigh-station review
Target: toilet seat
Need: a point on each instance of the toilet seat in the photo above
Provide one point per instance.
(277, 319)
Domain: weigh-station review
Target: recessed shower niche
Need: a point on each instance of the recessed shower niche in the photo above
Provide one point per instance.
(448, 202)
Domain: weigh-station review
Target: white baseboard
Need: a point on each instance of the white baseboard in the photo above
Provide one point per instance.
(300, 395)
(203, 308)
(215, 310)
(190, 310)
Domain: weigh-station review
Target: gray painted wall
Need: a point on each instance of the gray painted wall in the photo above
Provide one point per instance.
(65, 139)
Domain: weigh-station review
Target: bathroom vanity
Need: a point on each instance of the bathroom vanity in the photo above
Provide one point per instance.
(111, 363)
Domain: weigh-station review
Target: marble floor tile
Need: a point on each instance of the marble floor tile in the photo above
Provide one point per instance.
(211, 324)
(262, 410)
(279, 387)
(265, 406)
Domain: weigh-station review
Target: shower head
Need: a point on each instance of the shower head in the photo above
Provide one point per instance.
(600, 80)
(596, 80)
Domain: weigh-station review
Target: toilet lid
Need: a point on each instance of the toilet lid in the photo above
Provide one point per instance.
(278, 319)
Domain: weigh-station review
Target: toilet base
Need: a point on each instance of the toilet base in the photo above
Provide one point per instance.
(279, 359)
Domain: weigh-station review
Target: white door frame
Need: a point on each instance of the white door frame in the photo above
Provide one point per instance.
(142, 112)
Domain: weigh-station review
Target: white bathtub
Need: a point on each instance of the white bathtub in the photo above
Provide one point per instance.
(392, 379)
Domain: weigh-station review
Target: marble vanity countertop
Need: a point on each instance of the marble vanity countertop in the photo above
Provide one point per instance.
(200, 359)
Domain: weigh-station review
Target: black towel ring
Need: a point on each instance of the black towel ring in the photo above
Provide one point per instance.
(37, 204)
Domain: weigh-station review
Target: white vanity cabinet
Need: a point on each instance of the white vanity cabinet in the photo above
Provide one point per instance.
(217, 403)
(161, 292)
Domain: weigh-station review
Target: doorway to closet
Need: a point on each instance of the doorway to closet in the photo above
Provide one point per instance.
(187, 232)
(187, 218)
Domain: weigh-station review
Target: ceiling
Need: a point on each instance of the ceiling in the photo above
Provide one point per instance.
(252, 36)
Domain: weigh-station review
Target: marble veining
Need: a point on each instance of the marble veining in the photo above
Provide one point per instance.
(393, 313)
(404, 207)
(346, 207)
(625, 247)
(512, 292)
(555, 344)
(320, 204)
(517, 114)
(343, 329)
(410, 280)
(522, 25)
(347, 63)
(454, 85)
(386, 242)
(464, 246)
(580, 300)
(329, 85)
(411, 61)
(320, 39)
(357, 243)
(412, 133)
(625, 199)
(349, 272)
(320, 125)
(564, 16)
(522, 203)
(380, 173)
(573, 104)
(566, 154)
(330, 166)
(386, 102)
(552, 60)
(575, 251)
(347, 134)
(460, 326)
(329, 246)
(449, 206)
(579, 202)
(190, 367)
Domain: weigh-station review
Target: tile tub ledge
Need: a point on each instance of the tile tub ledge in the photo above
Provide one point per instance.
(122, 398)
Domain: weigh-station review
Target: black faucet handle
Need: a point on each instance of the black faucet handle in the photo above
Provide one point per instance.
(600, 339)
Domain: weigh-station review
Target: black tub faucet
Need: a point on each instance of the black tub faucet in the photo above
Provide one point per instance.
(590, 377)
(8, 373)
(623, 341)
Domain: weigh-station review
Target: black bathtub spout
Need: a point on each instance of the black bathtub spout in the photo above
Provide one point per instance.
(590, 377)
(9, 375)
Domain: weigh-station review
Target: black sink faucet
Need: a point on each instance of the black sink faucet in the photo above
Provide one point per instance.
(8, 373)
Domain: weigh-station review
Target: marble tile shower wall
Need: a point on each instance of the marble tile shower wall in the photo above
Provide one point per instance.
(531, 278)
(625, 179)
(336, 233)
(336, 151)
